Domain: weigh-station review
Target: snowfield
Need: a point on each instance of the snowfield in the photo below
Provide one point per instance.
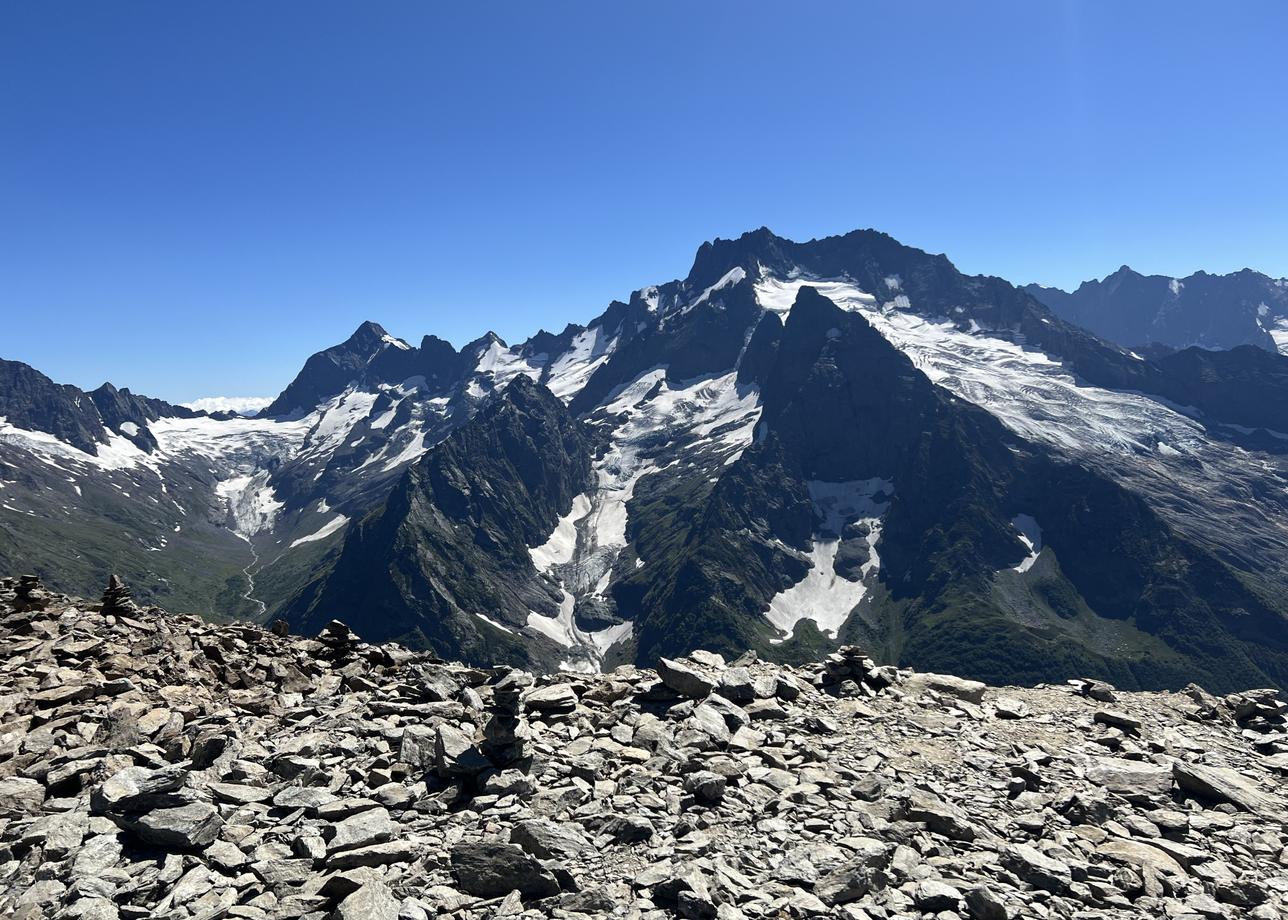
(822, 595)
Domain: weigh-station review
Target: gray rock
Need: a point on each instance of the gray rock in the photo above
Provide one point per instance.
(856, 876)
(1223, 785)
(455, 753)
(493, 868)
(1037, 868)
(738, 685)
(684, 680)
(127, 788)
(983, 904)
(546, 839)
(933, 896)
(1130, 777)
(363, 829)
(377, 854)
(553, 698)
(21, 796)
(310, 798)
(972, 691)
(940, 817)
(190, 826)
(373, 901)
(1117, 719)
(628, 828)
(705, 786)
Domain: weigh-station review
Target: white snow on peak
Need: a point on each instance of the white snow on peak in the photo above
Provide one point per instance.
(1028, 390)
(894, 282)
(396, 343)
(822, 595)
(322, 532)
(118, 453)
(1030, 534)
(589, 349)
(129, 428)
(242, 405)
(779, 294)
(1176, 287)
(728, 279)
(503, 364)
(650, 296)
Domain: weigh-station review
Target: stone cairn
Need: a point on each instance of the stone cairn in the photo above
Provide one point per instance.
(850, 672)
(31, 594)
(117, 599)
(338, 640)
(506, 735)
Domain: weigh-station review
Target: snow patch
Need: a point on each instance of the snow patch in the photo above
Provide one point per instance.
(558, 550)
(322, 532)
(589, 349)
(1279, 332)
(491, 622)
(1030, 534)
(823, 595)
(729, 279)
(778, 295)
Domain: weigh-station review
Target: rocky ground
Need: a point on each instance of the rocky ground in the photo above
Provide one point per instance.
(158, 766)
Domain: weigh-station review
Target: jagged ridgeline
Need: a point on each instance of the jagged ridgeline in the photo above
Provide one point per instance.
(796, 446)
(156, 765)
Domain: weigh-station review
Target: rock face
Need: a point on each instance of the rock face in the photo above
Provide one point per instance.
(157, 766)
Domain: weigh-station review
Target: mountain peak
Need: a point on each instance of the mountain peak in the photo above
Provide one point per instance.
(482, 343)
(367, 333)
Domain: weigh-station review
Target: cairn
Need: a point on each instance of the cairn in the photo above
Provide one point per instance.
(117, 599)
(30, 594)
(338, 640)
(506, 735)
(853, 673)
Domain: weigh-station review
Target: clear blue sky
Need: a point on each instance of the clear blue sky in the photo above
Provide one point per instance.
(195, 196)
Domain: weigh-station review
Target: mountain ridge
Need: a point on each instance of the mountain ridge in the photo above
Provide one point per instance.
(1243, 307)
(747, 430)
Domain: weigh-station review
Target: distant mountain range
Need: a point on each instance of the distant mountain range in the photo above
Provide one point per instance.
(794, 446)
(1210, 311)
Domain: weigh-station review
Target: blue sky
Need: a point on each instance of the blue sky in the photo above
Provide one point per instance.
(195, 196)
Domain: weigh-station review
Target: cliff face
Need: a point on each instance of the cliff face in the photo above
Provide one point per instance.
(154, 765)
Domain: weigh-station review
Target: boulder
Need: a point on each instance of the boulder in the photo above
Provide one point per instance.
(684, 680)
(494, 868)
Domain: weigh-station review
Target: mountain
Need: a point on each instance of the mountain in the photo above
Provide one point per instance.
(410, 787)
(445, 562)
(87, 421)
(1210, 311)
(794, 446)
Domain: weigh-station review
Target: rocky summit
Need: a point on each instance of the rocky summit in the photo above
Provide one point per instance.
(154, 765)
